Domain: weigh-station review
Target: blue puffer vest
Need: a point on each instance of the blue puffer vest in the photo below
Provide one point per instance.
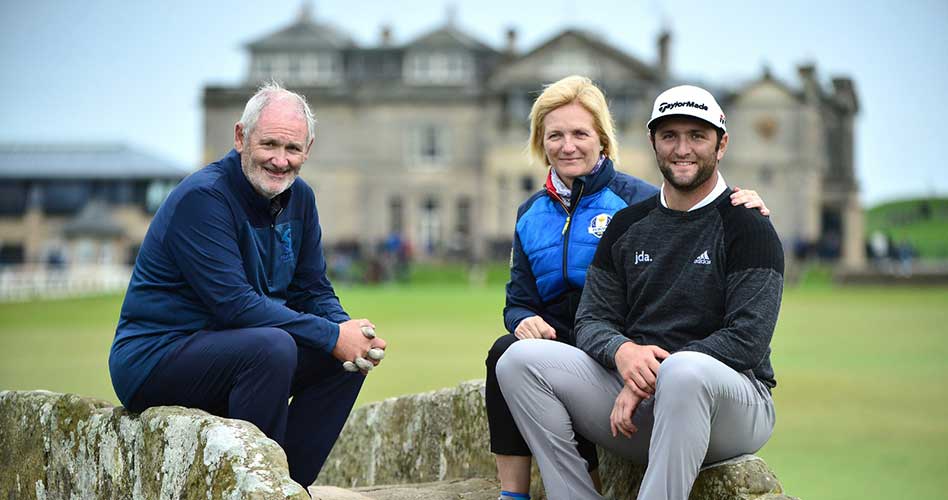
(559, 242)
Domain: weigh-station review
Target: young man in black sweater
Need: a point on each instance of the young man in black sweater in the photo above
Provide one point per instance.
(672, 365)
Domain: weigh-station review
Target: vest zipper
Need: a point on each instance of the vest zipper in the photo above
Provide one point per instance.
(566, 227)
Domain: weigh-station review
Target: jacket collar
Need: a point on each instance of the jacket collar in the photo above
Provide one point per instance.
(257, 202)
(586, 184)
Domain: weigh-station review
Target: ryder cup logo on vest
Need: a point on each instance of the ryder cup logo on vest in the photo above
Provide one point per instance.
(598, 225)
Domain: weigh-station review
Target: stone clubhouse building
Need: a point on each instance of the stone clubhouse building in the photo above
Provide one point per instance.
(426, 139)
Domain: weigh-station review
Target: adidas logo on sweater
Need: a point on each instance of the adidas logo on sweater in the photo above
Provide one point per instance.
(703, 259)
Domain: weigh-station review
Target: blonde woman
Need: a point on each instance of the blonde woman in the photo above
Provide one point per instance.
(557, 231)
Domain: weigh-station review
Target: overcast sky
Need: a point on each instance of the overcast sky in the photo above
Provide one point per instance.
(121, 71)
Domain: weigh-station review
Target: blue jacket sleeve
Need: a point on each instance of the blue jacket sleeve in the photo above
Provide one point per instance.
(202, 238)
(310, 291)
(523, 298)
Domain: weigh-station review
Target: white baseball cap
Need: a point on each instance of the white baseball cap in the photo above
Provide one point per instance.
(688, 100)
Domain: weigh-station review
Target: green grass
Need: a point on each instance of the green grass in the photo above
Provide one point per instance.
(862, 405)
(923, 222)
(438, 336)
(862, 400)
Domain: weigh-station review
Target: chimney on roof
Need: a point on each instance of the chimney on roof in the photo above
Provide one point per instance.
(664, 53)
(806, 71)
(306, 12)
(385, 35)
(811, 88)
(511, 40)
(451, 14)
(845, 93)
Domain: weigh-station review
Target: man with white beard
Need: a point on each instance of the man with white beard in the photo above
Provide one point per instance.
(229, 308)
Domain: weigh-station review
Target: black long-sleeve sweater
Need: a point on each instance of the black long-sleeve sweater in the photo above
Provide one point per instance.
(709, 280)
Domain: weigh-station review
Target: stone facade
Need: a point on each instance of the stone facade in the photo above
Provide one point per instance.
(427, 138)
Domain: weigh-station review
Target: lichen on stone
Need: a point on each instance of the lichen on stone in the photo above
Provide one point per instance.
(220, 441)
(443, 434)
(40, 491)
(66, 446)
(71, 447)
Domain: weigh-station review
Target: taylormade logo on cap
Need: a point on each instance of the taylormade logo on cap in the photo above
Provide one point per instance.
(688, 100)
(665, 106)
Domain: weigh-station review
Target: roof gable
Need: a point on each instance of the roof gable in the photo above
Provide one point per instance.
(448, 37)
(765, 90)
(304, 33)
(573, 52)
(94, 220)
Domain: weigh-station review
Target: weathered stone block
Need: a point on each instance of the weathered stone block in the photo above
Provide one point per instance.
(424, 446)
(64, 446)
(743, 478)
(443, 435)
(454, 489)
(413, 439)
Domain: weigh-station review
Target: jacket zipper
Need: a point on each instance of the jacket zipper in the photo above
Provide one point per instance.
(275, 246)
(566, 227)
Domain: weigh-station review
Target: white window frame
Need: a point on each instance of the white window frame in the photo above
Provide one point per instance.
(321, 68)
(439, 68)
(429, 145)
(570, 61)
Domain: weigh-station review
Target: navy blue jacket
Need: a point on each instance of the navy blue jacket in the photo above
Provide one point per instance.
(220, 256)
(554, 245)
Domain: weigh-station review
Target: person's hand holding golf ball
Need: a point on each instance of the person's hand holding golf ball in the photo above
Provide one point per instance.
(358, 347)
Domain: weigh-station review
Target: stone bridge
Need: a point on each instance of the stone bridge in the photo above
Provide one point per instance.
(423, 446)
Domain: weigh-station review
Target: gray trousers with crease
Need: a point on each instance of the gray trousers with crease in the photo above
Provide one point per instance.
(702, 412)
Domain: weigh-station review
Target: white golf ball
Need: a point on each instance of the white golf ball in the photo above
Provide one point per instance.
(364, 364)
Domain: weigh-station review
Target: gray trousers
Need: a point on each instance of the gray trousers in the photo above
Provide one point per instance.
(702, 412)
